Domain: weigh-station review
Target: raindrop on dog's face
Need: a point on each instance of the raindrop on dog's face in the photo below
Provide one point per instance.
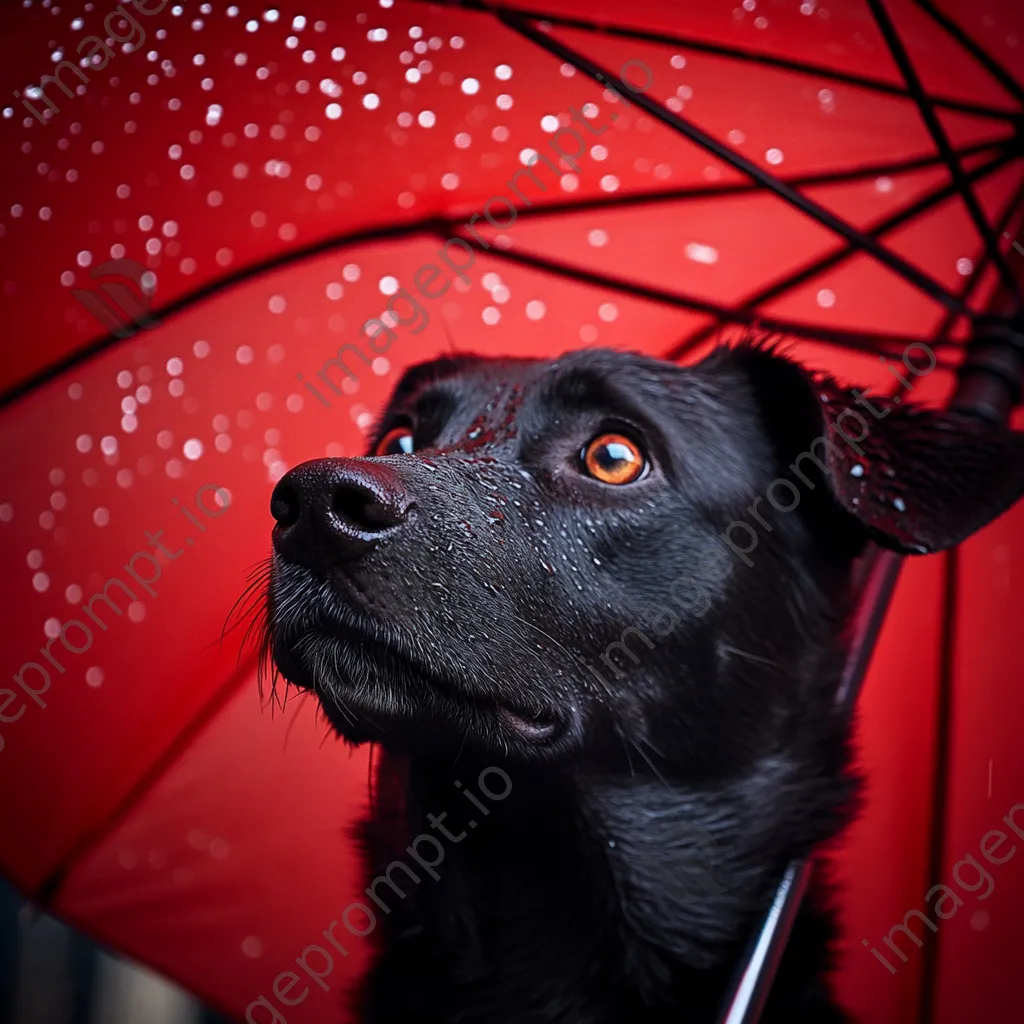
(462, 583)
(541, 559)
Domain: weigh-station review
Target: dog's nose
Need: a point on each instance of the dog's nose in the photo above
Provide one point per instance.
(335, 510)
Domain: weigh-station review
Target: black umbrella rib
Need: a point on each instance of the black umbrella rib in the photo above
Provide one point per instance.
(1002, 224)
(917, 277)
(942, 143)
(653, 196)
(719, 50)
(894, 220)
(943, 744)
(47, 892)
(986, 60)
(425, 224)
(752, 980)
(183, 302)
(864, 341)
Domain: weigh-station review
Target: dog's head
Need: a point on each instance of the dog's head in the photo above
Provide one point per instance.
(606, 554)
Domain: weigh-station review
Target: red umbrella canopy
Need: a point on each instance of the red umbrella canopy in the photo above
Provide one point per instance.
(265, 181)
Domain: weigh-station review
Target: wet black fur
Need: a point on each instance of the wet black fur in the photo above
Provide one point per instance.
(640, 846)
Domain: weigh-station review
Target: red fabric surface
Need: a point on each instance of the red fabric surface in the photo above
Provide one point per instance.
(152, 799)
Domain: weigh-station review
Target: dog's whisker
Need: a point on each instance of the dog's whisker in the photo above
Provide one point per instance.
(544, 633)
(295, 716)
(462, 746)
(649, 743)
(259, 578)
(651, 765)
(371, 759)
(751, 657)
(578, 492)
(625, 746)
(515, 639)
(322, 685)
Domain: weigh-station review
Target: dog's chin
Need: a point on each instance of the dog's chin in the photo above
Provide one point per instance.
(373, 693)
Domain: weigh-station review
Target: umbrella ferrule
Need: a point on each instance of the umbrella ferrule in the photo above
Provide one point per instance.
(991, 373)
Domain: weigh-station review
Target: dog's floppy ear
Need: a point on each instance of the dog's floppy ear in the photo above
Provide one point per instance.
(916, 480)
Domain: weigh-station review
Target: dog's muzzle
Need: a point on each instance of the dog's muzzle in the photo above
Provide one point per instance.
(333, 511)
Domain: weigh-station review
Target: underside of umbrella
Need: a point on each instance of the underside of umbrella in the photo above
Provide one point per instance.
(198, 230)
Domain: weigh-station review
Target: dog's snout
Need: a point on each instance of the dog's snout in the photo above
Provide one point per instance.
(335, 510)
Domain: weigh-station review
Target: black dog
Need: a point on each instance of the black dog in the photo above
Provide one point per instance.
(539, 588)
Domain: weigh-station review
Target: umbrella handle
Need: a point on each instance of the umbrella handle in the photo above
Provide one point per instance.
(761, 963)
(752, 982)
(989, 387)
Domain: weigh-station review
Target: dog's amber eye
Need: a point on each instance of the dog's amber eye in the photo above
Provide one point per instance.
(397, 441)
(614, 459)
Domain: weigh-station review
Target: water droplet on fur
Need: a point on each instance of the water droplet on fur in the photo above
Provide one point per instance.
(858, 470)
(900, 505)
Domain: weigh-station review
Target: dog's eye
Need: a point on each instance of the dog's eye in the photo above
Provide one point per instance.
(614, 459)
(397, 441)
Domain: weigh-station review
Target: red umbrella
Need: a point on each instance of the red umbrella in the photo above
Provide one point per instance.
(195, 228)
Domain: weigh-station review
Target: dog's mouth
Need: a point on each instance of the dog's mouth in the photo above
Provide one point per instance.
(536, 727)
(531, 724)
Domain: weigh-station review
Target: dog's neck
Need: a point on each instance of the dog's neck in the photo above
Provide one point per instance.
(640, 873)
